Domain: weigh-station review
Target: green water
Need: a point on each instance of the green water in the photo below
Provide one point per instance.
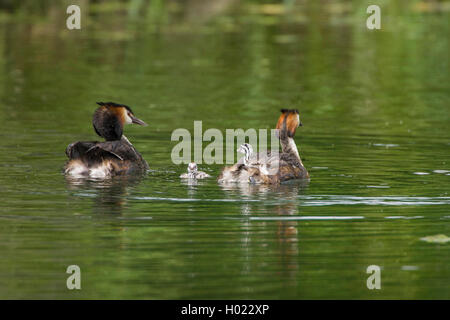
(376, 115)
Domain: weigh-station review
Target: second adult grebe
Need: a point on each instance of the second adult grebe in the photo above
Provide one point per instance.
(272, 167)
(116, 155)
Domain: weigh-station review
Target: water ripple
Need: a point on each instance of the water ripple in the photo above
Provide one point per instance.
(325, 200)
(331, 200)
(307, 218)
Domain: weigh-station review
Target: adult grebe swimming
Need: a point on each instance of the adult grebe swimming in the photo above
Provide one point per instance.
(271, 167)
(116, 155)
(193, 173)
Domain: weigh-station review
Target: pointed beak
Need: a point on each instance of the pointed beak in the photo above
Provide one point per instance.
(300, 124)
(138, 121)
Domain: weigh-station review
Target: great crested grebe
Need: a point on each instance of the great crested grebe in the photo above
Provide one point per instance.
(272, 167)
(193, 173)
(116, 155)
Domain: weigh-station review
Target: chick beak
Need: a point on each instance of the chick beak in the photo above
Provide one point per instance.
(138, 121)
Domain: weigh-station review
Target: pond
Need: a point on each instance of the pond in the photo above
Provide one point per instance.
(375, 139)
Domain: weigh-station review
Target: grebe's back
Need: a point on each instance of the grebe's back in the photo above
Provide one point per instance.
(104, 159)
(116, 155)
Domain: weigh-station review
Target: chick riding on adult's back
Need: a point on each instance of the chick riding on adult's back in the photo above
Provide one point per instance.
(270, 167)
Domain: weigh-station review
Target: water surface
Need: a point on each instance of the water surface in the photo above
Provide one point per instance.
(375, 109)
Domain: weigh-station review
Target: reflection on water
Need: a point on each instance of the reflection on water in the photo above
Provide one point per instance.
(286, 191)
(375, 140)
(286, 233)
(109, 195)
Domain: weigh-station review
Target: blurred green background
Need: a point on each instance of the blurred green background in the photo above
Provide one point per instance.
(375, 106)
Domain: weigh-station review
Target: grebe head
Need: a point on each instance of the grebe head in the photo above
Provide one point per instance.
(247, 150)
(288, 122)
(110, 118)
(192, 167)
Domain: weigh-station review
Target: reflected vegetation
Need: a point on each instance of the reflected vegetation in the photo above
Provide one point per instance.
(375, 140)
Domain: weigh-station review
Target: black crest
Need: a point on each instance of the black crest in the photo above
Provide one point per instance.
(113, 104)
(289, 110)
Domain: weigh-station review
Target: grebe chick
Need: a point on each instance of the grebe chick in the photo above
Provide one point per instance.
(116, 155)
(247, 150)
(250, 160)
(239, 172)
(193, 173)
